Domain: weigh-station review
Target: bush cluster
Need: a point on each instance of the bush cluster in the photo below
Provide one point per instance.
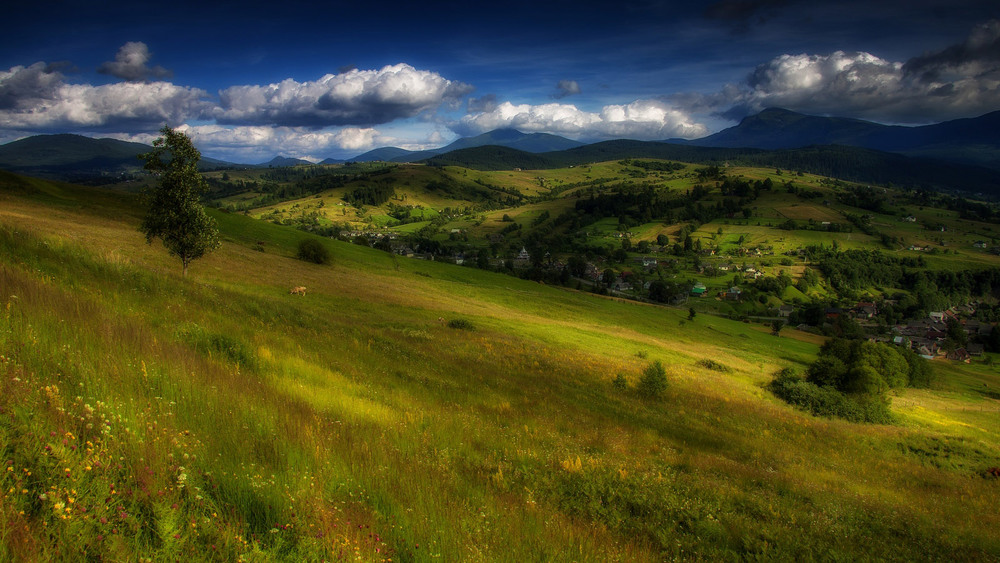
(827, 401)
(312, 250)
(851, 378)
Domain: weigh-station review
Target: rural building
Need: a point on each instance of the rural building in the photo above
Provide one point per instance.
(699, 290)
(960, 355)
(733, 294)
(865, 310)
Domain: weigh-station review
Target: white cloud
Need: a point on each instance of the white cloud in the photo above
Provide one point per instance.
(257, 143)
(355, 138)
(356, 97)
(130, 64)
(37, 98)
(642, 119)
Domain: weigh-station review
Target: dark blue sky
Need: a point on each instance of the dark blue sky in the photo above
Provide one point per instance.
(250, 80)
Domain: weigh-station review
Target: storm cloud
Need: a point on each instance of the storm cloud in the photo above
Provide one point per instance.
(977, 56)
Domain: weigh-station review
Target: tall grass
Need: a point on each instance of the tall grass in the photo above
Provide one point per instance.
(143, 415)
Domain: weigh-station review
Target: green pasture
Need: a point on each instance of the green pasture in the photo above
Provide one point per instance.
(218, 417)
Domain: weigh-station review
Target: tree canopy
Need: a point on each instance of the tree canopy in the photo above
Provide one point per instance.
(175, 214)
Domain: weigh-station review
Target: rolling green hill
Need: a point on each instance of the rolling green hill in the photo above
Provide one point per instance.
(78, 158)
(412, 410)
(844, 162)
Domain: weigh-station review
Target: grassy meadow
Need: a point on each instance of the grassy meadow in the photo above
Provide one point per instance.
(146, 416)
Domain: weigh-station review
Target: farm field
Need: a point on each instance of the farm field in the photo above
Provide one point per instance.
(412, 410)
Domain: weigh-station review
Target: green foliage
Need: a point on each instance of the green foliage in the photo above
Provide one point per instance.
(827, 401)
(653, 381)
(175, 213)
(375, 194)
(850, 379)
(861, 367)
(312, 250)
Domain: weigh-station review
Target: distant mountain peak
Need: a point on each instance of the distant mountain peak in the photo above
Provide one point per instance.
(282, 161)
(505, 137)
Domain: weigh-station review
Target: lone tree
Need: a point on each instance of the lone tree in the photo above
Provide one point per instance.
(653, 382)
(175, 213)
(776, 327)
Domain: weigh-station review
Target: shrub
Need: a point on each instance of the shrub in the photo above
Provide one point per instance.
(461, 324)
(619, 382)
(713, 365)
(653, 381)
(312, 250)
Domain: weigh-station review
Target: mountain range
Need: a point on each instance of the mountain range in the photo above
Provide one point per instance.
(509, 138)
(963, 154)
(965, 141)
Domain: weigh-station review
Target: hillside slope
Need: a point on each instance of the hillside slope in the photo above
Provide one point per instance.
(843, 162)
(218, 417)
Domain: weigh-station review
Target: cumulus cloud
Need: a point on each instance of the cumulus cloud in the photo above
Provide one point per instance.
(856, 82)
(38, 98)
(21, 87)
(257, 143)
(642, 119)
(131, 64)
(565, 88)
(960, 81)
(356, 97)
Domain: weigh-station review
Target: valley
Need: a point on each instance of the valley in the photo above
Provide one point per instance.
(408, 407)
